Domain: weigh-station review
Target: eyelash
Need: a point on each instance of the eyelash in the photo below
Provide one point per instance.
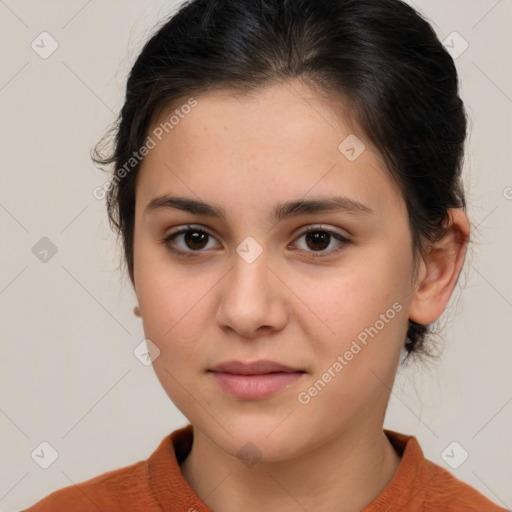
(317, 229)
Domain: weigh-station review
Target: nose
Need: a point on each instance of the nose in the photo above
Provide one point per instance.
(253, 299)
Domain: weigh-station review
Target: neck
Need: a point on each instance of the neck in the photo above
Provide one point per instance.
(344, 474)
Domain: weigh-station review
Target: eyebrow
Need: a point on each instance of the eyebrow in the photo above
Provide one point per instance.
(286, 210)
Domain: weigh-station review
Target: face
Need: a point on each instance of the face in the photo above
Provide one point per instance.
(246, 282)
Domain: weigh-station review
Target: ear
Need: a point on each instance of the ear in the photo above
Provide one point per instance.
(439, 270)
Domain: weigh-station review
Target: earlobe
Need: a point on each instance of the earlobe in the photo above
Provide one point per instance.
(441, 268)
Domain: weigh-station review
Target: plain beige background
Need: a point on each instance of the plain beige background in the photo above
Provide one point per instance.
(68, 373)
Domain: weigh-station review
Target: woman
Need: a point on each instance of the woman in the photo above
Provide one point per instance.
(288, 191)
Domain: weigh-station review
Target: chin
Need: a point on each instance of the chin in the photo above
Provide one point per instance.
(258, 439)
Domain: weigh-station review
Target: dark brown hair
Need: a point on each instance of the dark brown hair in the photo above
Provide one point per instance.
(380, 55)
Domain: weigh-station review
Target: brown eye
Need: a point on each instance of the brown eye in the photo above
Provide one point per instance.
(195, 239)
(188, 240)
(318, 239)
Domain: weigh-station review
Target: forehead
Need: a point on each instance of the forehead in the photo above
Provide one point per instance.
(288, 112)
(281, 142)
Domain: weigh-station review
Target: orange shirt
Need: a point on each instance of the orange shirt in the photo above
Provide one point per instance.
(157, 485)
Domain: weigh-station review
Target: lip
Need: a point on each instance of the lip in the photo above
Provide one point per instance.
(254, 380)
(260, 367)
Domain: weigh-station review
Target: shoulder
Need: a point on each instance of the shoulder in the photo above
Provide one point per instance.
(140, 487)
(113, 491)
(446, 492)
(420, 484)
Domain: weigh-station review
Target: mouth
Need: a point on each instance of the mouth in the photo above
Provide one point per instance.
(255, 380)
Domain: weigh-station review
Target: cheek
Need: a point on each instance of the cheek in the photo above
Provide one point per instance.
(175, 316)
(354, 367)
(167, 293)
(364, 311)
(356, 297)
(161, 296)
(173, 319)
(172, 309)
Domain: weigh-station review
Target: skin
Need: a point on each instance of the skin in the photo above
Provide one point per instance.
(246, 155)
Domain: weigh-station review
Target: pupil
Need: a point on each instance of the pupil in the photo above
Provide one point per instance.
(194, 238)
(318, 237)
